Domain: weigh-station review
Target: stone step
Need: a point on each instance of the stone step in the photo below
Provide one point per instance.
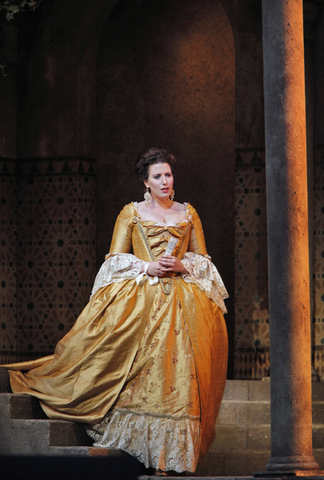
(246, 390)
(240, 425)
(30, 436)
(242, 443)
(238, 412)
(318, 436)
(257, 412)
(241, 398)
(18, 406)
(259, 390)
(25, 406)
(85, 451)
(318, 412)
(241, 462)
(254, 437)
(65, 434)
(216, 463)
(232, 412)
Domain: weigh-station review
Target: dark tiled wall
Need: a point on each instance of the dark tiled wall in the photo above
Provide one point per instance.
(318, 263)
(47, 257)
(47, 251)
(251, 275)
(251, 283)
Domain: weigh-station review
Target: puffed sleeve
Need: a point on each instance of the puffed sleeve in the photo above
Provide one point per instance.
(197, 240)
(119, 264)
(198, 265)
(122, 237)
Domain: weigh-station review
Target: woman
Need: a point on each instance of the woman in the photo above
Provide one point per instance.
(144, 365)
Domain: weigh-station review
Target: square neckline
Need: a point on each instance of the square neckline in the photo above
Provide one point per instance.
(135, 204)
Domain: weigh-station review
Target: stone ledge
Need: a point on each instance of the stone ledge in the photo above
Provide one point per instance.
(238, 412)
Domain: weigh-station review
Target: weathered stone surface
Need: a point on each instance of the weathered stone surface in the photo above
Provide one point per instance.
(258, 437)
(83, 451)
(288, 246)
(25, 406)
(319, 457)
(245, 462)
(62, 433)
(244, 413)
(212, 464)
(24, 437)
(236, 390)
(259, 390)
(318, 436)
(239, 449)
(318, 391)
(318, 412)
(4, 405)
(230, 437)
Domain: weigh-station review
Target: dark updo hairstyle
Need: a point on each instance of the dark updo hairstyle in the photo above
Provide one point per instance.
(150, 157)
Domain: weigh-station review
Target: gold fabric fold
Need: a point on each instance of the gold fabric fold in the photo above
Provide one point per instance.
(138, 352)
(83, 378)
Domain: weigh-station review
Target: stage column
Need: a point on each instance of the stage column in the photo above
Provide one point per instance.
(287, 215)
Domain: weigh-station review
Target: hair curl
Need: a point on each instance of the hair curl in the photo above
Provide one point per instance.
(150, 157)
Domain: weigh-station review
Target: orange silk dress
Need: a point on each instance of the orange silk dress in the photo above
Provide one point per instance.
(144, 366)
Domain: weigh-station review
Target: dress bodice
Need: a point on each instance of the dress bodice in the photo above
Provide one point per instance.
(148, 239)
(158, 235)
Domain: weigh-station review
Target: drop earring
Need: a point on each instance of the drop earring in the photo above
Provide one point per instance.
(147, 196)
(171, 197)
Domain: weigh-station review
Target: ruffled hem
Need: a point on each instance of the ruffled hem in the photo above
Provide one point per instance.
(161, 442)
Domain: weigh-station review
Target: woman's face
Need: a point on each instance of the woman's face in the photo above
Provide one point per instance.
(160, 180)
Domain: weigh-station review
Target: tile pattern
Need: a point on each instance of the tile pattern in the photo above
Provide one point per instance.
(251, 304)
(251, 270)
(47, 257)
(48, 262)
(318, 263)
(8, 273)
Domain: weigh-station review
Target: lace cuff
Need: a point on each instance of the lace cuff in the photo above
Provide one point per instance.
(119, 267)
(202, 271)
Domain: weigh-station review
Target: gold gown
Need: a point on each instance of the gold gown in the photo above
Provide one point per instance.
(144, 366)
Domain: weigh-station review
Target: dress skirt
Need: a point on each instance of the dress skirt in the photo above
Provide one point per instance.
(144, 371)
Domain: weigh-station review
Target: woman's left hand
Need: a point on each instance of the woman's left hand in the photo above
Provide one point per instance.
(171, 264)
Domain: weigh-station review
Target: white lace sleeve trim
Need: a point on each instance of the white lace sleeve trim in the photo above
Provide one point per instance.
(202, 271)
(119, 267)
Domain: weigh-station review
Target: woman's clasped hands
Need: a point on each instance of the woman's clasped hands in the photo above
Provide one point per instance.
(165, 264)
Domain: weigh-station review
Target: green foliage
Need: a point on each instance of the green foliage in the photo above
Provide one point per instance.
(9, 8)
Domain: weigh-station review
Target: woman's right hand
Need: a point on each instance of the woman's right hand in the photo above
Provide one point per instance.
(156, 270)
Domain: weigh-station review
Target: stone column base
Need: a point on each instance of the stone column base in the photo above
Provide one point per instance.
(306, 474)
(292, 463)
